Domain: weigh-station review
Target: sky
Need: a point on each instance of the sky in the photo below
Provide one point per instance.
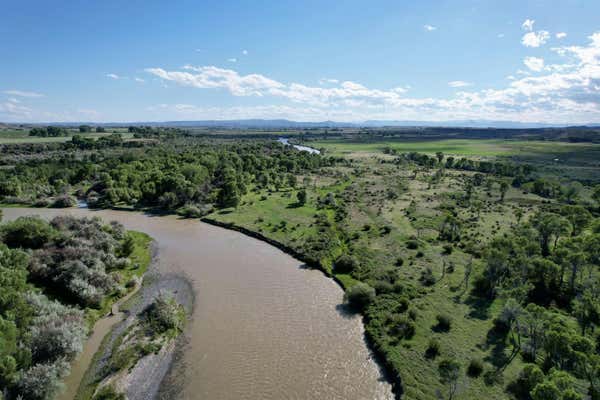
(350, 61)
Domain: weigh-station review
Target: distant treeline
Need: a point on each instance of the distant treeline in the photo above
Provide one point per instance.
(49, 131)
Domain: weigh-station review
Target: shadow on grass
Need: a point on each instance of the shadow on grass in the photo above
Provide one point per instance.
(480, 307)
(294, 205)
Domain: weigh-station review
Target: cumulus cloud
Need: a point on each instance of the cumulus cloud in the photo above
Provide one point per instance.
(429, 28)
(22, 93)
(534, 63)
(535, 39)
(561, 35)
(528, 25)
(112, 76)
(566, 92)
(459, 84)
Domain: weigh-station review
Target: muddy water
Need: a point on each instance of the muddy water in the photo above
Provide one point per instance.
(263, 327)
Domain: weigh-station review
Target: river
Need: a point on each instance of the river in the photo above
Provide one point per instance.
(286, 142)
(263, 326)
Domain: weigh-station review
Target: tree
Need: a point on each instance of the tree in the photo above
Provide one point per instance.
(27, 232)
(596, 195)
(450, 229)
(578, 216)
(302, 196)
(449, 370)
(511, 315)
(440, 156)
(360, 296)
(503, 189)
(550, 225)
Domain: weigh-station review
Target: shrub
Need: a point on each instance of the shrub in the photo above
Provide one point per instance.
(412, 244)
(402, 327)
(475, 367)
(64, 201)
(529, 377)
(427, 277)
(433, 348)
(345, 264)
(448, 249)
(413, 314)
(420, 254)
(42, 381)
(27, 232)
(444, 321)
(108, 393)
(190, 211)
(360, 296)
(165, 314)
(399, 262)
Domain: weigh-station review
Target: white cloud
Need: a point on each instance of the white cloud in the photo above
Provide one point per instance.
(565, 92)
(140, 80)
(22, 93)
(245, 52)
(535, 39)
(528, 25)
(233, 59)
(561, 35)
(534, 63)
(429, 28)
(325, 81)
(500, 35)
(113, 76)
(459, 84)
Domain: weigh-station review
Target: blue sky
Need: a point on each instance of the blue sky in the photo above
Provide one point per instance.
(531, 61)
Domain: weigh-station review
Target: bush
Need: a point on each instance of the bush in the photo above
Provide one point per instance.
(413, 314)
(399, 262)
(448, 249)
(427, 277)
(402, 327)
(444, 321)
(64, 201)
(345, 264)
(475, 367)
(433, 348)
(412, 244)
(27, 232)
(360, 296)
(165, 314)
(528, 378)
(42, 381)
(109, 393)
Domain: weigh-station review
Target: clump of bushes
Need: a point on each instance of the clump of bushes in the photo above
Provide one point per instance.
(427, 278)
(444, 322)
(164, 314)
(360, 296)
(345, 264)
(475, 367)
(27, 233)
(108, 392)
(412, 244)
(433, 348)
(64, 201)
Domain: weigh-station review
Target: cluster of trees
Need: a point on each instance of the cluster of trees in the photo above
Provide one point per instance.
(49, 131)
(166, 177)
(73, 261)
(159, 132)
(87, 143)
(488, 167)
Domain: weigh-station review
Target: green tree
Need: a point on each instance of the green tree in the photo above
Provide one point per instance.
(302, 196)
(449, 370)
(360, 296)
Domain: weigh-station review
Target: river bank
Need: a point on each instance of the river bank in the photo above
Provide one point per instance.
(262, 327)
(388, 369)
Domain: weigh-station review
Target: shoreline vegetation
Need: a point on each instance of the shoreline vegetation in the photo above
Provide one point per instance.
(469, 270)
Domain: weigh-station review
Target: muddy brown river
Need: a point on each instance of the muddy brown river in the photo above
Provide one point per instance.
(263, 327)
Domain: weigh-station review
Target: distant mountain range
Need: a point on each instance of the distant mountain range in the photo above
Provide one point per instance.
(286, 124)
